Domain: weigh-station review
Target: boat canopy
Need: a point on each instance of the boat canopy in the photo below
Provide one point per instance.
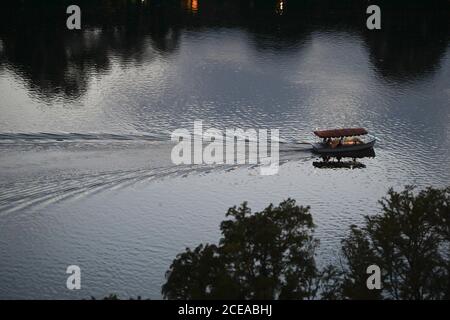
(336, 133)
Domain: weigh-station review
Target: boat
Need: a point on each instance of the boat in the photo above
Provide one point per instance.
(336, 141)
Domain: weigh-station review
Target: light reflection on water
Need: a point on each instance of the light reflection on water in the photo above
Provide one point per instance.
(85, 170)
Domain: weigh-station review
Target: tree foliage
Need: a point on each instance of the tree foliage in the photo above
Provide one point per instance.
(270, 254)
(409, 241)
(265, 255)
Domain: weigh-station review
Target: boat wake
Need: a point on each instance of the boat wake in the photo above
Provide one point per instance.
(70, 136)
(40, 169)
(25, 194)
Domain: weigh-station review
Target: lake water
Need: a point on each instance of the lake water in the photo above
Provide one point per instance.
(85, 120)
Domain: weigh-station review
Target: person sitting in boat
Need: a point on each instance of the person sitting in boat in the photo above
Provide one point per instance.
(352, 140)
(334, 143)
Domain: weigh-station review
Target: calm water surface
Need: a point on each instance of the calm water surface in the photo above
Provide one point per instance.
(86, 116)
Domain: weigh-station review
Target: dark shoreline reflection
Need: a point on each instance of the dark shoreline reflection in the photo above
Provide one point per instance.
(412, 42)
(56, 62)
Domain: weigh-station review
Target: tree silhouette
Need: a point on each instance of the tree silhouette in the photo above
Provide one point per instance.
(409, 241)
(265, 255)
(270, 254)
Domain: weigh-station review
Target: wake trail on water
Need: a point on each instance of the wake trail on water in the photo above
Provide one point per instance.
(34, 177)
(70, 136)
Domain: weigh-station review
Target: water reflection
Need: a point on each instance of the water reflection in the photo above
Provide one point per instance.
(56, 62)
(412, 42)
(100, 162)
(192, 5)
(345, 160)
(280, 7)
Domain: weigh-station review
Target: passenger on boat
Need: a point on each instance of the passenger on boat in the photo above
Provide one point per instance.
(334, 143)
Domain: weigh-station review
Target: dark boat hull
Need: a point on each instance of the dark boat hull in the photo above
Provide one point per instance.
(325, 149)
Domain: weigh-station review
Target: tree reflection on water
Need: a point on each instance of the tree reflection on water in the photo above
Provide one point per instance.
(55, 61)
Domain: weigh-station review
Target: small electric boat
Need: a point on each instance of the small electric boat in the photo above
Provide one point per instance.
(337, 141)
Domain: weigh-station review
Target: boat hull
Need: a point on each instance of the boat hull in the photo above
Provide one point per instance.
(325, 149)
